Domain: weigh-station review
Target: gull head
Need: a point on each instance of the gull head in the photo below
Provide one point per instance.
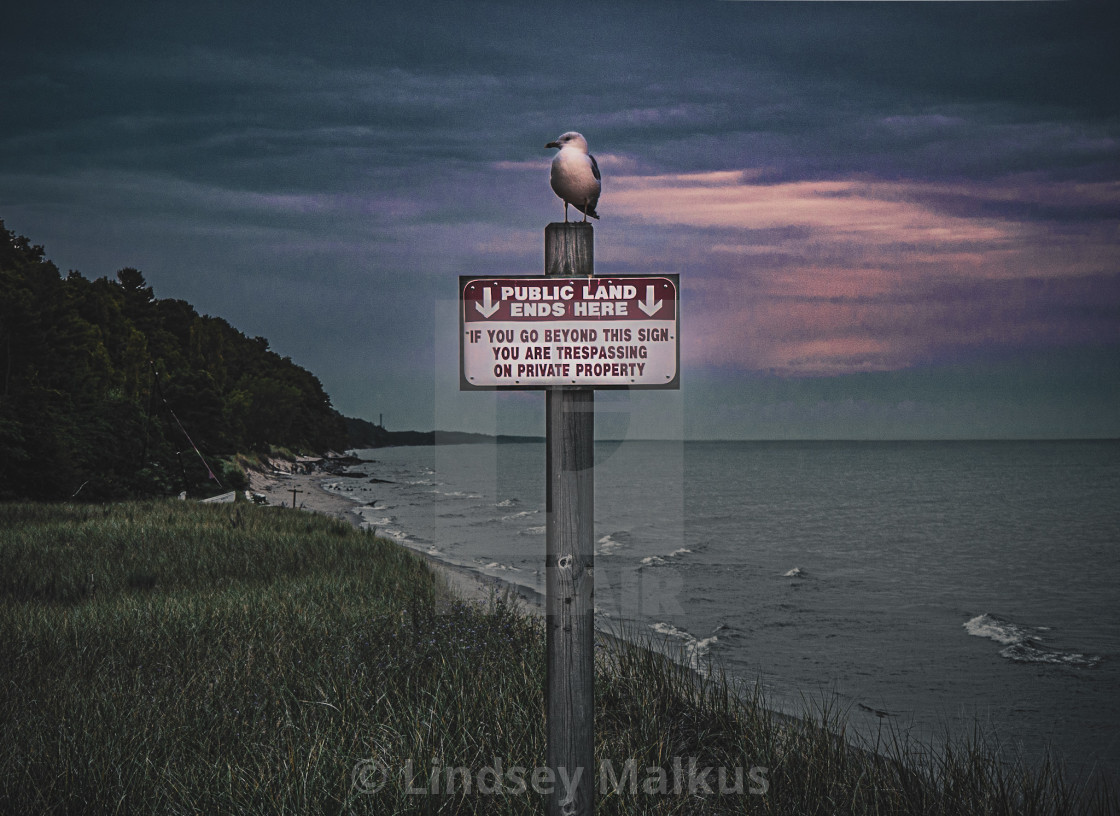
(570, 139)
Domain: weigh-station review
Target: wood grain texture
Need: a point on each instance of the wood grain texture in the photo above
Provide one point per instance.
(570, 560)
(569, 250)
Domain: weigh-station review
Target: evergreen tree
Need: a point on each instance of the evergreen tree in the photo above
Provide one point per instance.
(107, 391)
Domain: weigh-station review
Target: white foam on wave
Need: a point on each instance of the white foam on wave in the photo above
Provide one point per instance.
(663, 628)
(997, 629)
(508, 503)
(611, 542)
(399, 536)
(1023, 644)
(500, 567)
(695, 649)
(796, 572)
(1025, 653)
(657, 560)
(456, 494)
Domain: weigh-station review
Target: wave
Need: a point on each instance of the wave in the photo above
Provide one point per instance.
(995, 628)
(1023, 644)
(456, 494)
(508, 503)
(878, 712)
(695, 649)
(663, 628)
(612, 541)
(498, 566)
(727, 631)
(657, 560)
(400, 536)
(796, 572)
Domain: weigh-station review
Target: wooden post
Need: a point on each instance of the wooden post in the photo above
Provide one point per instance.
(570, 560)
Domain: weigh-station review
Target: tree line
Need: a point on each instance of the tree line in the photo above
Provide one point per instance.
(107, 391)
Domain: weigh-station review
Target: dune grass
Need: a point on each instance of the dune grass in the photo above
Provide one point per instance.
(171, 657)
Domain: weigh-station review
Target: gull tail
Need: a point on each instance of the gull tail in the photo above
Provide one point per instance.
(588, 210)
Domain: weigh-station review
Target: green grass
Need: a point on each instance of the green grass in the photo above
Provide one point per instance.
(172, 657)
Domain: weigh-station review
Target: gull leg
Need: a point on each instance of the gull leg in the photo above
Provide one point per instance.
(565, 212)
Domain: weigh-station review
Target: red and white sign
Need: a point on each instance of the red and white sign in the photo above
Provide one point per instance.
(539, 332)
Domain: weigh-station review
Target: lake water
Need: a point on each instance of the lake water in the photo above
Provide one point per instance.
(923, 584)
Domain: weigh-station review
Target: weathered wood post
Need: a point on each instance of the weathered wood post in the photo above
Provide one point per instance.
(507, 324)
(570, 559)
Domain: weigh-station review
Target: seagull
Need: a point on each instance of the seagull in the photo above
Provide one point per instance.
(575, 175)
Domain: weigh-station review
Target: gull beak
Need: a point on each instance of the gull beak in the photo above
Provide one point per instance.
(553, 144)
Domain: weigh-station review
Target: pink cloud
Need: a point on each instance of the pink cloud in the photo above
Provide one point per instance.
(835, 276)
(845, 210)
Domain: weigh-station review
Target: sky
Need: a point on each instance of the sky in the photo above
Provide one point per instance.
(890, 220)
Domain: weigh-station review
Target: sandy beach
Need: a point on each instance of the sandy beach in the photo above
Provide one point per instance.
(277, 485)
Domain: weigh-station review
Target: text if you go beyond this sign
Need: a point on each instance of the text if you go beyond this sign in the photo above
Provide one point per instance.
(540, 332)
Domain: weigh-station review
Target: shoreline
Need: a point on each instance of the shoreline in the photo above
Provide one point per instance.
(278, 675)
(474, 587)
(466, 584)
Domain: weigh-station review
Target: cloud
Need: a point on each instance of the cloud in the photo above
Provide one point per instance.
(843, 276)
(843, 188)
(832, 210)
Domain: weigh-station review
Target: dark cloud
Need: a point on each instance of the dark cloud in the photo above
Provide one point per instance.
(908, 182)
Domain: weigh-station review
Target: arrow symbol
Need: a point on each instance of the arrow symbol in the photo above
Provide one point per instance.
(487, 307)
(648, 305)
